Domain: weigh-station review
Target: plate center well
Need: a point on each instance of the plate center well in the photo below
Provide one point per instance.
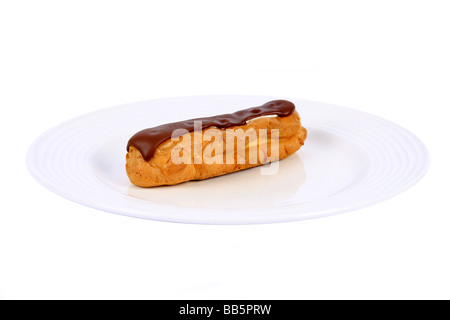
(326, 165)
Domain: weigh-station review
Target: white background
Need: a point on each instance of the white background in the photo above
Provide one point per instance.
(60, 59)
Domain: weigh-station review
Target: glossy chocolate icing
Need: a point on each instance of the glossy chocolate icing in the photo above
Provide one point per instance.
(148, 140)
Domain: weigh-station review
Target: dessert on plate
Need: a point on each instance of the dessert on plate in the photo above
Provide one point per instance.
(203, 148)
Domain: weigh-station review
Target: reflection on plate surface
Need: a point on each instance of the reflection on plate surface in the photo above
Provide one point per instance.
(244, 189)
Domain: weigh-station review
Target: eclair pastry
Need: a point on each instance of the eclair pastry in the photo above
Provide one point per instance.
(203, 148)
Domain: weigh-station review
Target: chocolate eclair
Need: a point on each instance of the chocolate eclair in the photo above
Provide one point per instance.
(202, 148)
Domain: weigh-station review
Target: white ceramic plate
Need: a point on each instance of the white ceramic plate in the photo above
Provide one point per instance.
(350, 160)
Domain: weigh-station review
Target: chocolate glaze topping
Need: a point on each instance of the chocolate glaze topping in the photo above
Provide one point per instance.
(148, 140)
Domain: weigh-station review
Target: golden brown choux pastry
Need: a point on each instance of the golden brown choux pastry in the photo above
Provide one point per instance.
(210, 147)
